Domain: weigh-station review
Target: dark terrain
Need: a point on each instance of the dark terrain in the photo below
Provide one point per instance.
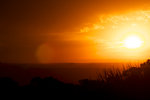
(132, 83)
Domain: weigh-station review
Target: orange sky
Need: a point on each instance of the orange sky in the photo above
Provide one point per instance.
(72, 30)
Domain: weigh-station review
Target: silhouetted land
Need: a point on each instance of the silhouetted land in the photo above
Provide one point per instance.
(66, 72)
(132, 83)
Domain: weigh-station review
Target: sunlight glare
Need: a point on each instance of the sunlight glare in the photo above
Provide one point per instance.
(133, 42)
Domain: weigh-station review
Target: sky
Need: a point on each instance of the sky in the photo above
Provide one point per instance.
(51, 31)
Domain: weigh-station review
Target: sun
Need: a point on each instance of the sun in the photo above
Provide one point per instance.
(133, 42)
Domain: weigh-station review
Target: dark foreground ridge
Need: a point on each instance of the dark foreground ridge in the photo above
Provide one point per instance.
(132, 83)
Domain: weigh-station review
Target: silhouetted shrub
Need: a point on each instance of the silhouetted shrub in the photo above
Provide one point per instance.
(132, 83)
(8, 83)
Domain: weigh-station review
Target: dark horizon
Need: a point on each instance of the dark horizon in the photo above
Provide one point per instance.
(127, 84)
(66, 72)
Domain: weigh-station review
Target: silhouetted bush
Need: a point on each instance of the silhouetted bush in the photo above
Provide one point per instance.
(7, 83)
(132, 83)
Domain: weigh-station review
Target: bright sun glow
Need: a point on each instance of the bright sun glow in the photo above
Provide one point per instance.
(133, 42)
